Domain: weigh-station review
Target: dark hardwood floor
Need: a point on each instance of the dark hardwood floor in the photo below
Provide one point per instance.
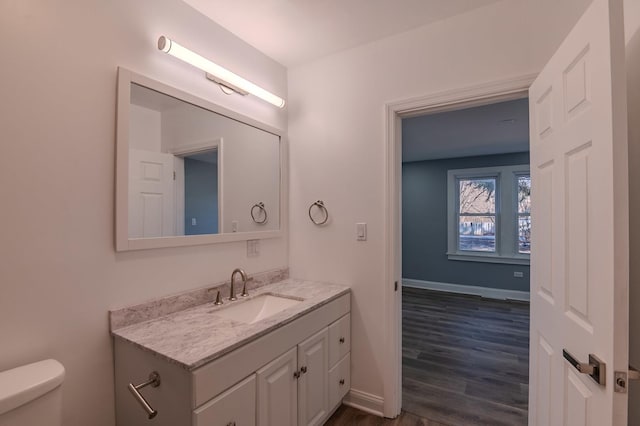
(347, 416)
(465, 359)
(465, 363)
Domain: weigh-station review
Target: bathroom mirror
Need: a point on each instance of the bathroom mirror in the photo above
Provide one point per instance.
(191, 172)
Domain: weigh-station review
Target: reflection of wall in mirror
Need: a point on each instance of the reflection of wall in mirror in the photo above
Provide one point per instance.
(249, 165)
(250, 162)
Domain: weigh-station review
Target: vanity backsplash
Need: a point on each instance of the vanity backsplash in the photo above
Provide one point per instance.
(124, 317)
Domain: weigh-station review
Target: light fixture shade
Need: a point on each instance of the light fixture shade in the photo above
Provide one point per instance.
(174, 49)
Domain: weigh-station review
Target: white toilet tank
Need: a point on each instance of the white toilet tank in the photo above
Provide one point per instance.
(31, 395)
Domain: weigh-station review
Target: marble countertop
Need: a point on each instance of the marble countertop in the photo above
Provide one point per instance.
(196, 336)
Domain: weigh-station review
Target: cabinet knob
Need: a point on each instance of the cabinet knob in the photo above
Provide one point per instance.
(231, 424)
(341, 382)
(296, 374)
(303, 369)
(342, 340)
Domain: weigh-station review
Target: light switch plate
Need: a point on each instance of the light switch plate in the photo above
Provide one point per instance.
(361, 231)
(234, 226)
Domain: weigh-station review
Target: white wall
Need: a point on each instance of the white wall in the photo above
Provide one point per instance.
(337, 145)
(59, 272)
(145, 128)
(632, 32)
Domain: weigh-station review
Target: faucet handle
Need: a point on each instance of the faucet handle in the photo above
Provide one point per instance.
(218, 299)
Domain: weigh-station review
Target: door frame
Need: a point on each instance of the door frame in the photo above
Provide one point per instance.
(466, 97)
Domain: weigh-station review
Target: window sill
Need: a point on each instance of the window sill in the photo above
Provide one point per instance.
(489, 258)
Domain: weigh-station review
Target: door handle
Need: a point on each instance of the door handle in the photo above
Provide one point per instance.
(596, 369)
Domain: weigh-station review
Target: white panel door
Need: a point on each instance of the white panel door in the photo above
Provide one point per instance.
(313, 386)
(278, 391)
(579, 255)
(151, 194)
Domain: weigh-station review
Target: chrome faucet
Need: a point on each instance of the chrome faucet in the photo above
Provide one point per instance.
(232, 295)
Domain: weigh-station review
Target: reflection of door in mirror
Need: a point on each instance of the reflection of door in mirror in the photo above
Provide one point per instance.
(174, 182)
(151, 194)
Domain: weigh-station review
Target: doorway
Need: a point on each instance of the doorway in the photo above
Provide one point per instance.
(466, 226)
(485, 94)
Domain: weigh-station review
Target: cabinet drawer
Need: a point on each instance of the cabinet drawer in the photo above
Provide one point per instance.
(339, 381)
(237, 406)
(339, 339)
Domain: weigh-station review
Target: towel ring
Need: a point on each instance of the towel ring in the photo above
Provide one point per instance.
(262, 210)
(319, 204)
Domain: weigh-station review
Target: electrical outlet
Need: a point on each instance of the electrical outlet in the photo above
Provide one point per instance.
(518, 274)
(253, 248)
(194, 222)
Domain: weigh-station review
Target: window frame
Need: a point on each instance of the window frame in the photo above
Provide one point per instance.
(506, 243)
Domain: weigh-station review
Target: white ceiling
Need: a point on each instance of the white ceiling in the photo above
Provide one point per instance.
(491, 129)
(297, 31)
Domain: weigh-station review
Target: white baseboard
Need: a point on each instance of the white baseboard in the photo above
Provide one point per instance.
(364, 401)
(490, 293)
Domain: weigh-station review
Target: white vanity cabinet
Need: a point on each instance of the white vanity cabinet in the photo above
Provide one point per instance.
(294, 375)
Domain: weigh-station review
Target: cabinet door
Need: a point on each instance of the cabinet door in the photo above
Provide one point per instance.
(313, 391)
(339, 339)
(278, 391)
(236, 406)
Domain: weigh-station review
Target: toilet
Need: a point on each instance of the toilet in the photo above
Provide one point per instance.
(31, 395)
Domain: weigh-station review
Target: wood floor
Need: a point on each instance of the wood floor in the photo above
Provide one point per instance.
(465, 359)
(465, 363)
(347, 416)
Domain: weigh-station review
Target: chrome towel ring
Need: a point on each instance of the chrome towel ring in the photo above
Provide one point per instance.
(320, 205)
(261, 212)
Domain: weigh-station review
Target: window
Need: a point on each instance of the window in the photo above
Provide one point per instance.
(524, 214)
(477, 214)
(489, 214)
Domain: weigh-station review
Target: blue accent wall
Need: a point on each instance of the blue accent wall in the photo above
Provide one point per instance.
(424, 227)
(200, 197)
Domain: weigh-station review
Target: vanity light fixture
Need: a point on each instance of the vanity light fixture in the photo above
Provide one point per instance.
(225, 78)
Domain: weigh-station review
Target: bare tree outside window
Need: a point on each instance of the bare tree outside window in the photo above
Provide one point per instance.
(524, 214)
(477, 214)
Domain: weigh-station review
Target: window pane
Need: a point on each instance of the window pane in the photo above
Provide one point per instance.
(477, 195)
(524, 234)
(477, 233)
(524, 194)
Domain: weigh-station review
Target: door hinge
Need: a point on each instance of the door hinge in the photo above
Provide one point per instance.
(621, 378)
(395, 286)
(174, 175)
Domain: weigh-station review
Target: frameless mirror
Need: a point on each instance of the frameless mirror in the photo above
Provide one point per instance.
(191, 172)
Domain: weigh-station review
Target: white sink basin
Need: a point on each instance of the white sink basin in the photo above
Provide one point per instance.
(256, 309)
